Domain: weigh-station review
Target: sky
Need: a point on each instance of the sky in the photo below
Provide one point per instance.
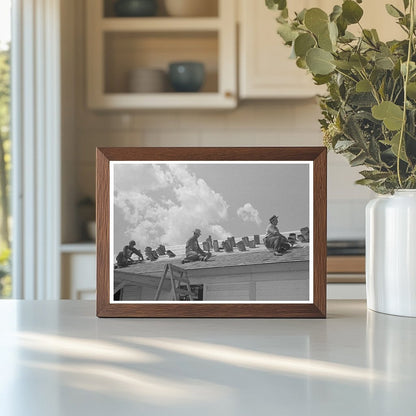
(5, 20)
(163, 203)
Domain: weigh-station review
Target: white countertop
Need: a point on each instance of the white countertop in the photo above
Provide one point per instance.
(57, 358)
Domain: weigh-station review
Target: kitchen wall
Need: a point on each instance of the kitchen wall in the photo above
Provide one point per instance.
(253, 123)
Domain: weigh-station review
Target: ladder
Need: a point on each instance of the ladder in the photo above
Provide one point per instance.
(178, 278)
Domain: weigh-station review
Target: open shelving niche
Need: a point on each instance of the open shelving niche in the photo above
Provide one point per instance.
(116, 45)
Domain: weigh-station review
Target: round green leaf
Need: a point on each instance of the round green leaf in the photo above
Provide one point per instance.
(384, 62)
(316, 20)
(276, 4)
(358, 61)
(328, 38)
(287, 33)
(324, 41)
(351, 11)
(375, 35)
(391, 114)
(303, 43)
(344, 65)
(395, 144)
(333, 32)
(411, 90)
(393, 11)
(348, 37)
(342, 25)
(336, 12)
(363, 86)
(322, 79)
(301, 63)
(319, 61)
(301, 15)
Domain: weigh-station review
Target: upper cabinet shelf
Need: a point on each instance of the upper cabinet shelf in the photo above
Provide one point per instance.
(160, 24)
(128, 58)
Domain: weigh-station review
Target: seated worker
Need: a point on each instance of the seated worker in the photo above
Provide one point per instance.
(129, 250)
(121, 260)
(274, 240)
(193, 251)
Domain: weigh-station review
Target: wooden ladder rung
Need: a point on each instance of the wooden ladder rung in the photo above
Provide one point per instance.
(178, 277)
(183, 280)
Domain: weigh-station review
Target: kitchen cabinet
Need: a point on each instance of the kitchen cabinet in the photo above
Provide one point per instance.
(78, 263)
(118, 45)
(265, 70)
(346, 277)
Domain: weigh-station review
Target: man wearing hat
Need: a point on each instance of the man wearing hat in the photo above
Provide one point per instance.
(129, 250)
(193, 251)
(274, 240)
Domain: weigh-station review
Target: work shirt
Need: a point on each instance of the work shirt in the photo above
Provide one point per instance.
(272, 231)
(192, 245)
(129, 251)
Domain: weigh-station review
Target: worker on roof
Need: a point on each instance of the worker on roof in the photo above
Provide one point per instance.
(129, 250)
(274, 240)
(192, 251)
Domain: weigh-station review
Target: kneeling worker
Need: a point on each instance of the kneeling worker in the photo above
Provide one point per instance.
(129, 250)
(193, 251)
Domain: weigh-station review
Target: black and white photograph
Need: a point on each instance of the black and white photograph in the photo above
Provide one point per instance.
(211, 231)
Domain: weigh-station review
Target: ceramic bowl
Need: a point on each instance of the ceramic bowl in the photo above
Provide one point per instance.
(147, 80)
(186, 76)
(135, 8)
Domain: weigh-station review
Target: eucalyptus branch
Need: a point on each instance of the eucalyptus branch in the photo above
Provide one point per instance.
(369, 40)
(373, 88)
(365, 61)
(404, 28)
(406, 80)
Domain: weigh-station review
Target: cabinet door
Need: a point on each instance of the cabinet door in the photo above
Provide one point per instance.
(78, 276)
(265, 68)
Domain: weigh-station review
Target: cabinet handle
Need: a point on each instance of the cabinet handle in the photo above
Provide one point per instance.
(229, 94)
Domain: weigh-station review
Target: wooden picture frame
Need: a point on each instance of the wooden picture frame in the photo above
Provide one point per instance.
(315, 304)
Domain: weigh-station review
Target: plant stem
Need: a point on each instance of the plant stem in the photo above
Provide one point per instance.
(391, 98)
(373, 88)
(346, 75)
(405, 81)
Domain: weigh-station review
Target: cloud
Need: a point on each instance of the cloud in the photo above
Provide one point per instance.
(163, 204)
(140, 177)
(249, 214)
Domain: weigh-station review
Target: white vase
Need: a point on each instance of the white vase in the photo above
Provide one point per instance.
(391, 253)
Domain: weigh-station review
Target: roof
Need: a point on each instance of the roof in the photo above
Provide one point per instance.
(259, 255)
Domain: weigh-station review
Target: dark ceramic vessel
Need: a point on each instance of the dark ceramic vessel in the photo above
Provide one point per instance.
(186, 76)
(135, 8)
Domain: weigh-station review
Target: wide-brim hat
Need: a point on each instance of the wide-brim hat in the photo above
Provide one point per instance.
(273, 217)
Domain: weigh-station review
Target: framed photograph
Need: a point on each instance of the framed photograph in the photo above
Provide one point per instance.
(211, 232)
